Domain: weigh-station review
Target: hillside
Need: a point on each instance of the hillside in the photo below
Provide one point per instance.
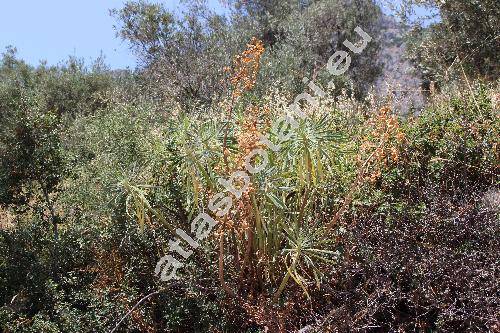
(272, 167)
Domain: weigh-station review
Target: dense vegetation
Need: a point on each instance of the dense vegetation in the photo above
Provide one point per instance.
(363, 220)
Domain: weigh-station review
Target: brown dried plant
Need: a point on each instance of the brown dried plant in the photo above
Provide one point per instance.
(378, 149)
(380, 146)
(242, 78)
(243, 73)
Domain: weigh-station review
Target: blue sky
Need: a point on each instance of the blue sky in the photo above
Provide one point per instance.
(52, 30)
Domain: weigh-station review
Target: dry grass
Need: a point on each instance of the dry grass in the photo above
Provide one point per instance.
(6, 218)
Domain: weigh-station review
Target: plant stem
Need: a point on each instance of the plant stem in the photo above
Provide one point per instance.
(134, 307)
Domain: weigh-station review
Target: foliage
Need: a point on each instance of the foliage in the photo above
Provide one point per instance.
(185, 56)
(182, 56)
(105, 259)
(464, 41)
(362, 220)
(37, 103)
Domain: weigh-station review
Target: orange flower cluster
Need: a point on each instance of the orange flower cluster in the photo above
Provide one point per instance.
(241, 222)
(381, 143)
(248, 137)
(248, 140)
(243, 74)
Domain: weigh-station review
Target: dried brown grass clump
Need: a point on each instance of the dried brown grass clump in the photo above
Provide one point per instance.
(6, 219)
(109, 269)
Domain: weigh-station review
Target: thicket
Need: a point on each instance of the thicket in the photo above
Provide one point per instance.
(184, 55)
(463, 39)
(363, 221)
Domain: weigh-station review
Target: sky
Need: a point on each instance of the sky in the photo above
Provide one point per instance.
(53, 30)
